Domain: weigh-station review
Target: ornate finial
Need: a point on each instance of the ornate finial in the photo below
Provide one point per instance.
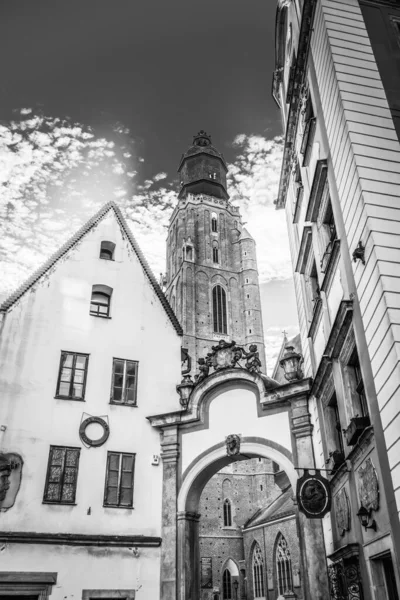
(202, 139)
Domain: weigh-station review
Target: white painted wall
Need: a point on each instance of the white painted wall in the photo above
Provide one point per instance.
(235, 411)
(54, 316)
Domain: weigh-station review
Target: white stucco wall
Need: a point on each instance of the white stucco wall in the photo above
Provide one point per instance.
(235, 411)
(54, 316)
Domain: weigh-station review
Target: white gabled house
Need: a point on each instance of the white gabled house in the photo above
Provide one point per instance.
(89, 347)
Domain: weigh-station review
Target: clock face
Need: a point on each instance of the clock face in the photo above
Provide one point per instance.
(288, 43)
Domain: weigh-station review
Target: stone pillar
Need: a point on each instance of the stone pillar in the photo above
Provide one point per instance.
(312, 538)
(169, 455)
(188, 556)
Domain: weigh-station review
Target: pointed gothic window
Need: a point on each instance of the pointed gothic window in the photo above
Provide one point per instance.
(258, 572)
(107, 250)
(283, 566)
(214, 222)
(227, 513)
(215, 253)
(219, 309)
(226, 585)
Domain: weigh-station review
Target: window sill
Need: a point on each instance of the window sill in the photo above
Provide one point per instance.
(69, 399)
(123, 404)
(99, 316)
(59, 503)
(119, 507)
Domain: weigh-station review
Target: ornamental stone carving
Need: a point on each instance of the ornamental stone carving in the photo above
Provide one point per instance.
(232, 444)
(10, 478)
(368, 486)
(227, 355)
(342, 512)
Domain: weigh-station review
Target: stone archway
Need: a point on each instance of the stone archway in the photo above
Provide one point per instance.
(193, 449)
(194, 480)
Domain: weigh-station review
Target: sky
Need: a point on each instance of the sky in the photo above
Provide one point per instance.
(99, 99)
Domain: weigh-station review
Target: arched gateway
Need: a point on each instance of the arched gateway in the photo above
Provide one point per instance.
(231, 415)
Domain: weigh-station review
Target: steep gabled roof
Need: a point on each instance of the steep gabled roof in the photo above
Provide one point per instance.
(245, 235)
(279, 508)
(74, 240)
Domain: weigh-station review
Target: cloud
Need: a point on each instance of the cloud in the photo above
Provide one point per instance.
(56, 173)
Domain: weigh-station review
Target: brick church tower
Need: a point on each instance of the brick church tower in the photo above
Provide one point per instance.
(212, 278)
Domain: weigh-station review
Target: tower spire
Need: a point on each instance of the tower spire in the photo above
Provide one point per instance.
(203, 169)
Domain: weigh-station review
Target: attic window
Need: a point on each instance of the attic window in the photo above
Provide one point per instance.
(107, 250)
(100, 301)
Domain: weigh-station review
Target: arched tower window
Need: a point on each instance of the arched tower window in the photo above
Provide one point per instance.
(219, 309)
(226, 585)
(227, 513)
(215, 252)
(258, 572)
(189, 253)
(283, 566)
(214, 222)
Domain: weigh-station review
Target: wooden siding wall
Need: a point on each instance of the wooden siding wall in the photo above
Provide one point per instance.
(365, 154)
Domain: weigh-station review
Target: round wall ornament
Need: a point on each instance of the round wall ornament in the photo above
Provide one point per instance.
(313, 495)
(86, 436)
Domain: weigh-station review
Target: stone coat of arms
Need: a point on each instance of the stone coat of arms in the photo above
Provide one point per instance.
(232, 445)
(342, 512)
(368, 486)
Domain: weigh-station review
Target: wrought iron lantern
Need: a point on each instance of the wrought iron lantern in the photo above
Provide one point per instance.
(291, 364)
(184, 390)
(365, 515)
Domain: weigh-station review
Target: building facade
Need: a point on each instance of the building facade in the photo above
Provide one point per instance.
(81, 476)
(248, 533)
(336, 82)
(212, 278)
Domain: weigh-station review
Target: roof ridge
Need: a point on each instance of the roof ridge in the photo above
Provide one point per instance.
(74, 239)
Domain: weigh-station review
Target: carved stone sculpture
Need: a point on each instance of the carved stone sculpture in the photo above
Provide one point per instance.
(232, 445)
(10, 478)
(253, 363)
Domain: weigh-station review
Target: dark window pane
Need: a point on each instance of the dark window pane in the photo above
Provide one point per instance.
(130, 368)
(112, 495)
(118, 380)
(114, 461)
(53, 492)
(117, 395)
(126, 497)
(118, 366)
(55, 474)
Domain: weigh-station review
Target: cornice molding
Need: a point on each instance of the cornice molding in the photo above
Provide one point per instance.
(306, 28)
(79, 539)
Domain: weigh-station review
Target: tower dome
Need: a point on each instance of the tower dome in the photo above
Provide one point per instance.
(203, 169)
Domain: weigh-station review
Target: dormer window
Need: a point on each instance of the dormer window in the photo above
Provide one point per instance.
(100, 301)
(214, 222)
(107, 250)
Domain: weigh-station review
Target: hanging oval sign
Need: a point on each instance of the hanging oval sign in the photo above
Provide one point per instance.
(313, 494)
(87, 439)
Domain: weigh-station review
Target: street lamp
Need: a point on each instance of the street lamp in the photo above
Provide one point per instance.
(291, 364)
(364, 515)
(236, 585)
(184, 390)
